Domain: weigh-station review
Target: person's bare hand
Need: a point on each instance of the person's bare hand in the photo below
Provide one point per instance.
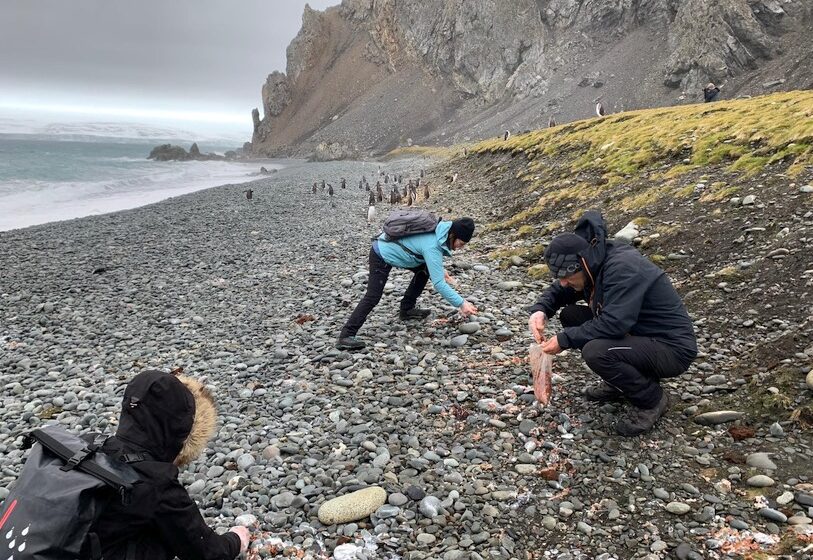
(449, 278)
(244, 534)
(536, 323)
(467, 309)
(551, 346)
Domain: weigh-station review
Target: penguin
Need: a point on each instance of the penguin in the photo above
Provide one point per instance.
(386, 178)
(413, 196)
(314, 188)
(249, 194)
(379, 193)
(551, 122)
(454, 177)
(422, 172)
(344, 183)
(418, 182)
(465, 152)
(371, 199)
(323, 185)
(506, 135)
(330, 189)
(599, 109)
(426, 191)
(393, 196)
(371, 213)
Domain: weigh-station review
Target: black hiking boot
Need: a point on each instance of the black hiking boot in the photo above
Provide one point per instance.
(640, 420)
(413, 314)
(349, 343)
(602, 392)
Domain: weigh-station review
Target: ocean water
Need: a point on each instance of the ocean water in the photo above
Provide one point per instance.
(43, 179)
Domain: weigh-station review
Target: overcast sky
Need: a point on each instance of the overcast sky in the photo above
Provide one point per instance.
(143, 60)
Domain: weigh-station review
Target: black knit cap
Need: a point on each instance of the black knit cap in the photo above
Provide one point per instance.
(463, 229)
(562, 255)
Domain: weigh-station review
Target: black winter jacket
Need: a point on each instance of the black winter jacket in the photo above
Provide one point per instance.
(710, 94)
(627, 294)
(161, 521)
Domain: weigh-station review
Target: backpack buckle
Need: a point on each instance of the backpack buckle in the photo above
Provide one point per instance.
(74, 461)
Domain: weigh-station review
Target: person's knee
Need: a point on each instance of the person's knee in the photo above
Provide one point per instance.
(596, 356)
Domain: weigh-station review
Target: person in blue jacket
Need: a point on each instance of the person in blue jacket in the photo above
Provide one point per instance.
(422, 254)
(635, 329)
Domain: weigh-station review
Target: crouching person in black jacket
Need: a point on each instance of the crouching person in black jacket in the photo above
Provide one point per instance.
(635, 329)
(165, 423)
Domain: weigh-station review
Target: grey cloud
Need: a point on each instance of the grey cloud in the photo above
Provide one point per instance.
(213, 51)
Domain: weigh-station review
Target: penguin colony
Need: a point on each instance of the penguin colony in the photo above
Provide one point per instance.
(399, 190)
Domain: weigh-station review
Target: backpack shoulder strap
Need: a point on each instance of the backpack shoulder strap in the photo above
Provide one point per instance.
(136, 457)
(408, 250)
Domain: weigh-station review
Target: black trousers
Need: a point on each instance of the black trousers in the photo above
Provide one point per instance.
(379, 272)
(634, 364)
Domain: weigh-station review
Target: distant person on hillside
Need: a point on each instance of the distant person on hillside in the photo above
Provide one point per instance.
(710, 93)
(420, 253)
(635, 329)
(165, 423)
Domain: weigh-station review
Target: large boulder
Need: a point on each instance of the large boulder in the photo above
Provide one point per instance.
(168, 152)
(332, 151)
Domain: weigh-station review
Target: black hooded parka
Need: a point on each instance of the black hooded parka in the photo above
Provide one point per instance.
(627, 293)
(161, 521)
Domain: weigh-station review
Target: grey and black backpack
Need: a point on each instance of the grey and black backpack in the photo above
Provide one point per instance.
(403, 223)
(63, 488)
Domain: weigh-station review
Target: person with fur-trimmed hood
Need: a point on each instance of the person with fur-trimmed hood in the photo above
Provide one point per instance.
(635, 329)
(165, 423)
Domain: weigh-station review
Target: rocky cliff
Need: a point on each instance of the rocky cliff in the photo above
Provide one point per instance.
(370, 75)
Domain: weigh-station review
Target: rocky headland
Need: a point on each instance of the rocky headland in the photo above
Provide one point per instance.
(435, 423)
(170, 152)
(366, 77)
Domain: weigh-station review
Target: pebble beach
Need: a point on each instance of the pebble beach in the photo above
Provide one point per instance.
(438, 416)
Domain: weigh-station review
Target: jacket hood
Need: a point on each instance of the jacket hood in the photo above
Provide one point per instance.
(592, 228)
(170, 417)
(442, 235)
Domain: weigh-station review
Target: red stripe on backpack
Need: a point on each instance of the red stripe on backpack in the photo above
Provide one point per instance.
(8, 513)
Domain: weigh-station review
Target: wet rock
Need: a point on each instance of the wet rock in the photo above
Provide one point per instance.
(760, 461)
(760, 481)
(773, 515)
(459, 340)
(678, 508)
(717, 417)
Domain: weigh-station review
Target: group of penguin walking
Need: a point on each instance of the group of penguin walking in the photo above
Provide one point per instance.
(401, 192)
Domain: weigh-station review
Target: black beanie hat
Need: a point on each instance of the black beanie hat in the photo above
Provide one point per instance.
(463, 229)
(562, 255)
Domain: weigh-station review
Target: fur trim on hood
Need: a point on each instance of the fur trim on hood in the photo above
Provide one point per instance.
(204, 424)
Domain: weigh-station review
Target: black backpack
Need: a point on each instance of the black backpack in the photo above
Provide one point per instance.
(63, 488)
